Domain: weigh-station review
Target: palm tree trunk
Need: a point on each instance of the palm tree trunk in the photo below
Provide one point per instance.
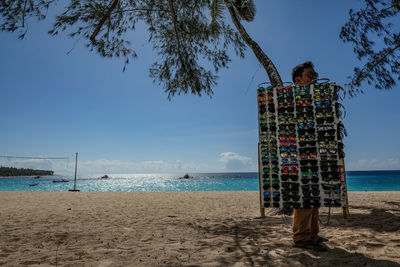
(265, 61)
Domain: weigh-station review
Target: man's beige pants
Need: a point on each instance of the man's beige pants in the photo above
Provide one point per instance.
(305, 226)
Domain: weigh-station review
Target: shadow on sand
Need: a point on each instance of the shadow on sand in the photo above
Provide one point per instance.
(267, 242)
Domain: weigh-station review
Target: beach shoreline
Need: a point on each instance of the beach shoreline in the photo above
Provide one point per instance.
(211, 228)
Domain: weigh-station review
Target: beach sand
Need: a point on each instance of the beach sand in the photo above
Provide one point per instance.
(187, 229)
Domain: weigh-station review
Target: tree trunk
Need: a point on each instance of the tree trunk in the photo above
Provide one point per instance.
(269, 67)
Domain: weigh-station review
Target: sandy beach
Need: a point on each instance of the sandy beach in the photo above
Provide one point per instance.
(187, 229)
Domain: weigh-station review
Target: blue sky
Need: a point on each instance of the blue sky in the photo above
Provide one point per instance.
(54, 104)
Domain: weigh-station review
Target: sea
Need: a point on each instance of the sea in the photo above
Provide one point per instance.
(245, 181)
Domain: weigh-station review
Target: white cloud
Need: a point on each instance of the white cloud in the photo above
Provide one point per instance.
(373, 164)
(235, 162)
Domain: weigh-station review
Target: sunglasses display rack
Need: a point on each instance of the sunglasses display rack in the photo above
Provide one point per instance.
(301, 150)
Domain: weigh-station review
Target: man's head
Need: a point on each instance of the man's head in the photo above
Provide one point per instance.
(304, 74)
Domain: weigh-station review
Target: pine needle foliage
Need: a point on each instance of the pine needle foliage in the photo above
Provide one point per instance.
(190, 67)
(381, 60)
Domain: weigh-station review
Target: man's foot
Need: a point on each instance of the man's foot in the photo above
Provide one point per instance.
(319, 248)
(315, 247)
(322, 240)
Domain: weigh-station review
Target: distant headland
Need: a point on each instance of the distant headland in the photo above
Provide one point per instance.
(10, 171)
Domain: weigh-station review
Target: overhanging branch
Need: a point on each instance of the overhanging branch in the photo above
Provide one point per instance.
(103, 19)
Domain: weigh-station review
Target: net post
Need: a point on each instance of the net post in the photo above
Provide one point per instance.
(346, 211)
(262, 209)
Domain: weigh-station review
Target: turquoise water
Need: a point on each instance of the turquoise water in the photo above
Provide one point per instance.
(356, 181)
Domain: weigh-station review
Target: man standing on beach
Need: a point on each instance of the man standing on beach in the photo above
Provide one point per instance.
(305, 221)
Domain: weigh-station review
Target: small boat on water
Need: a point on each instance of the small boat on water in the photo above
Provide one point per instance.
(37, 177)
(60, 181)
(33, 184)
(186, 176)
(104, 177)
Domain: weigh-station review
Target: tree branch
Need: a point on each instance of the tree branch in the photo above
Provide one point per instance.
(23, 14)
(368, 67)
(103, 19)
(175, 21)
(265, 61)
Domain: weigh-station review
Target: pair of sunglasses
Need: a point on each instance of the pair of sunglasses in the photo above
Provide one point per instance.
(292, 191)
(305, 114)
(284, 89)
(275, 204)
(289, 177)
(328, 157)
(285, 103)
(325, 120)
(287, 143)
(265, 141)
(291, 148)
(330, 144)
(287, 126)
(288, 154)
(311, 193)
(309, 187)
(331, 186)
(288, 109)
(285, 95)
(307, 169)
(323, 92)
(287, 121)
(290, 205)
(307, 180)
(301, 102)
(307, 150)
(303, 97)
(326, 138)
(270, 148)
(333, 168)
(322, 85)
(287, 132)
(328, 150)
(287, 137)
(273, 170)
(272, 153)
(324, 133)
(332, 191)
(307, 143)
(289, 161)
(305, 125)
(326, 115)
(306, 138)
(321, 98)
(306, 162)
(325, 103)
(273, 175)
(311, 155)
(332, 202)
(289, 185)
(290, 197)
(330, 176)
(289, 167)
(304, 119)
(261, 99)
(311, 202)
(305, 131)
(291, 172)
